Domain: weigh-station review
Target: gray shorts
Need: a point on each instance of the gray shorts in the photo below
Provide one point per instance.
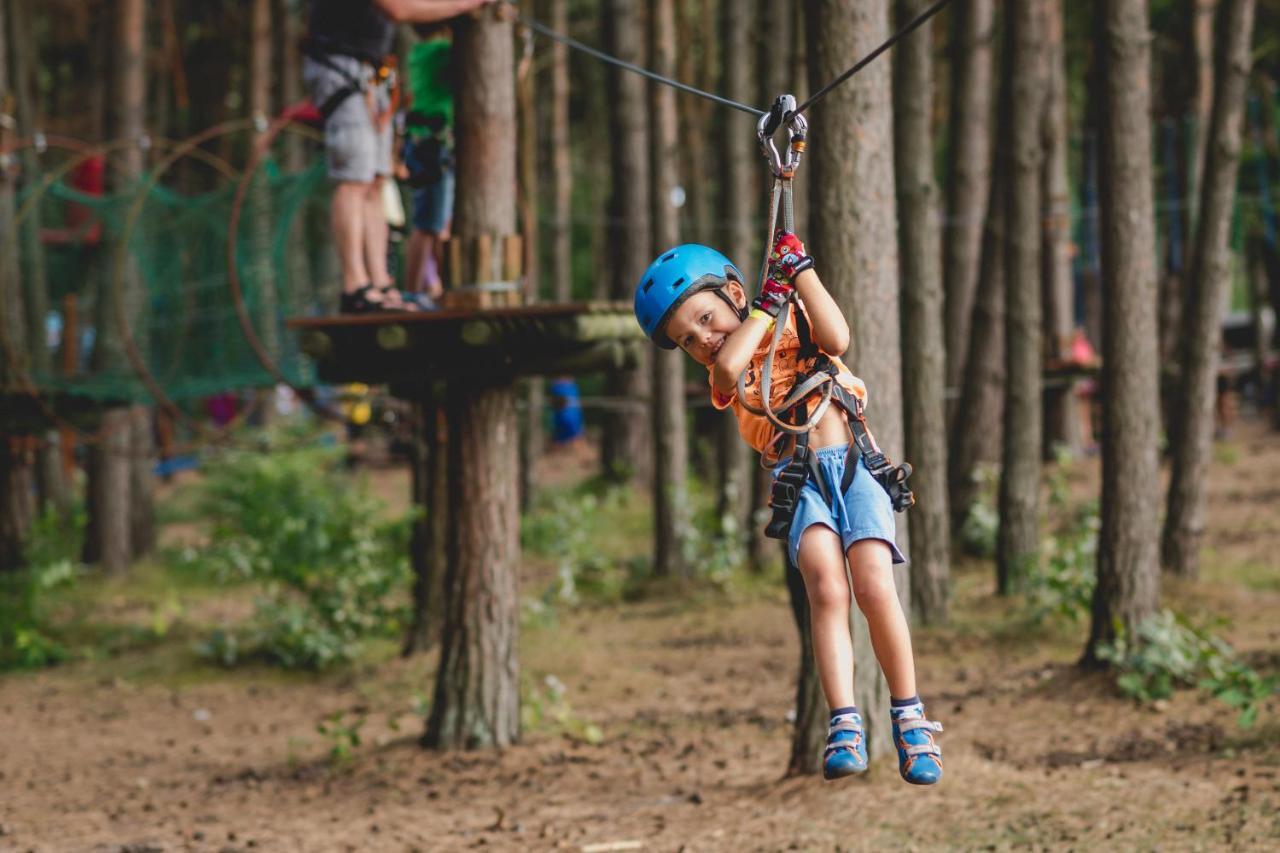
(355, 148)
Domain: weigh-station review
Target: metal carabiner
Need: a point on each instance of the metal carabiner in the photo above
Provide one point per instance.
(782, 114)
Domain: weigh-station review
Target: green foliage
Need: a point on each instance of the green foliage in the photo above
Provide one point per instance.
(333, 572)
(341, 730)
(545, 707)
(569, 527)
(1061, 581)
(27, 640)
(1168, 653)
(981, 523)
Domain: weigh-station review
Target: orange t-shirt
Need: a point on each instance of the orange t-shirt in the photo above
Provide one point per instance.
(756, 429)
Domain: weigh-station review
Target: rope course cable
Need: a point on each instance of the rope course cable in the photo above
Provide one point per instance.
(548, 32)
(544, 30)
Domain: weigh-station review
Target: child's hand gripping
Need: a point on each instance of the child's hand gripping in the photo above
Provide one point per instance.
(786, 261)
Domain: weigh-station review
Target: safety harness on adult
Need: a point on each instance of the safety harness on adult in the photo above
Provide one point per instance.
(792, 417)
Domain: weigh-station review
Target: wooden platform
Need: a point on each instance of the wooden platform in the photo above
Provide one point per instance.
(489, 344)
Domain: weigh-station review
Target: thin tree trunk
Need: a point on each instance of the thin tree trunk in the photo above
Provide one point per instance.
(670, 439)
(561, 166)
(477, 695)
(1203, 44)
(428, 466)
(115, 463)
(924, 351)
(1210, 276)
(15, 468)
(968, 171)
(1127, 590)
(855, 240)
(976, 421)
(738, 156)
(1019, 536)
(627, 451)
(51, 490)
(532, 391)
(1062, 422)
(809, 735)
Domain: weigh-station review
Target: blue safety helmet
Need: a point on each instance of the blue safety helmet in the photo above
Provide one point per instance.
(674, 277)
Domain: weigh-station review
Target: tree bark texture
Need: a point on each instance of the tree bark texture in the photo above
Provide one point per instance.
(112, 504)
(429, 482)
(1192, 429)
(976, 422)
(477, 695)
(968, 171)
(855, 242)
(1019, 535)
(1127, 590)
(809, 736)
(627, 449)
(15, 468)
(670, 434)
(924, 346)
(561, 165)
(738, 159)
(1062, 422)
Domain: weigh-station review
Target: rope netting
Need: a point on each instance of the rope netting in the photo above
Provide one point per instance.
(134, 285)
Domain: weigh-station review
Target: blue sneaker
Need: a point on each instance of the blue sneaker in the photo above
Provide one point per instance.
(846, 752)
(919, 756)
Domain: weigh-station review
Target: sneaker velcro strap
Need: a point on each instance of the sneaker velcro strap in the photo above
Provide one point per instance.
(845, 726)
(913, 725)
(929, 748)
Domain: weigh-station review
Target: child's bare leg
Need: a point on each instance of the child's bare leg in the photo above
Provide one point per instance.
(871, 567)
(827, 589)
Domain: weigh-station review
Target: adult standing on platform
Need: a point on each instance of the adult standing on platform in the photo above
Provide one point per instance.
(350, 82)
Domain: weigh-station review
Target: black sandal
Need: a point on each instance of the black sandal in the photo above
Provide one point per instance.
(358, 302)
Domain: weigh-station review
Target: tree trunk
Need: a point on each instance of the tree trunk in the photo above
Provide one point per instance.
(976, 422)
(429, 469)
(561, 165)
(855, 241)
(1210, 276)
(809, 736)
(50, 488)
(1128, 574)
(968, 171)
(116, 462)
(15, 469)
(1203, 45)
(1019, 536)
(627, 450)
(1062, 421)
(924, 352)
(532, 392)
(477, 695)
(670, 439)
(738, 156)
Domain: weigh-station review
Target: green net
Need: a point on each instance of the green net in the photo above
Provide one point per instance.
(149, 265)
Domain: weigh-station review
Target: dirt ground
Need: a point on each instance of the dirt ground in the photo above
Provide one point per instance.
(154, 751)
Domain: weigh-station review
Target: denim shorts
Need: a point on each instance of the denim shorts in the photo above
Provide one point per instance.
(433, 204)
(356, 149)
(862, 512)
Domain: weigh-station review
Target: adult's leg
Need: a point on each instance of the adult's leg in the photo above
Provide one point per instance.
(871, 568)
(827, 589)
(346, 218)
(375, 234)
(415, 254)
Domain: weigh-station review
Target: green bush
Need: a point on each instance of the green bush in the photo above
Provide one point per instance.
(27, 641)
(1061, 581)
(334, 573)
(1168, 653)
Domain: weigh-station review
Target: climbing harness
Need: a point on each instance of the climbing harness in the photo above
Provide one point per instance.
(383, 74)
(792, 417)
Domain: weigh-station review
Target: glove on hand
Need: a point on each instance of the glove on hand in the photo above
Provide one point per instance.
(777, 291)
(788, 255)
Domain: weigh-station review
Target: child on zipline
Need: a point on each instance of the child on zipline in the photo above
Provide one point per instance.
(693, 297)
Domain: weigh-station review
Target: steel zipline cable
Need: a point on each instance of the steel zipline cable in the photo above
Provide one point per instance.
(907, 29)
